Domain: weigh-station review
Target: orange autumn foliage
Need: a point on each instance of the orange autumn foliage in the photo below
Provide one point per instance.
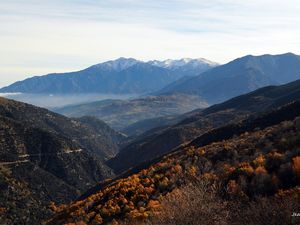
(296, 166)
(240, 166)
(2, 210)
(259, 161)
(260, 170)
(209, 176)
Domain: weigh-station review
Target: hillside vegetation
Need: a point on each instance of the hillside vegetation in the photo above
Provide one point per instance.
(193, 124)
(46, 157)
(251, 176)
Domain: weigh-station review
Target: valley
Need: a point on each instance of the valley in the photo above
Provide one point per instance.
(172, 149)
(229, 170)
(149, 112)
(120, 114)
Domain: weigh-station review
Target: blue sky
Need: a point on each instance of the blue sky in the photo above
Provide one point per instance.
(40, 36)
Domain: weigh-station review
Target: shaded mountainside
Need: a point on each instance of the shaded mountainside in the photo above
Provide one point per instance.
(121, 76)
(122, 113)
(251, 175)
(240, 76)
(37, 167)
(141, 127)
(47, 157)
(98, 138)
(161, 141)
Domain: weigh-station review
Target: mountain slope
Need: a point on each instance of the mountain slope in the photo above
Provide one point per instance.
(121, 76)
(47, 157)
(240, 76)
(257, 169)
(196, 123)
(143, 126)
(102, 142)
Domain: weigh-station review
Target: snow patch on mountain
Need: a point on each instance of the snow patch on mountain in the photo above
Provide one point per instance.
(118, 64)
(174, 64)
(124, 63)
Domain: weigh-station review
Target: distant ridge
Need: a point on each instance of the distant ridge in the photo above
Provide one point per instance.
(120, 76)
(197, 123)
(239, 76)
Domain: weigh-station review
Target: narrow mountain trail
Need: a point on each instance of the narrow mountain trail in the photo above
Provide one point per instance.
(13, 163)
(29, 155)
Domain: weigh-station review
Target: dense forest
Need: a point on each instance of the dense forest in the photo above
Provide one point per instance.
(241, 179)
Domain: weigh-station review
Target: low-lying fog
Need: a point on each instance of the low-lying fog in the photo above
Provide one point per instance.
(58, 100)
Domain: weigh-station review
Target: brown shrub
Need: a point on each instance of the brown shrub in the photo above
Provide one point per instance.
(193, 204)
(272, 211)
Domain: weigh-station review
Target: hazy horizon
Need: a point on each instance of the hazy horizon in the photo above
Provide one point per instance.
(41, 37)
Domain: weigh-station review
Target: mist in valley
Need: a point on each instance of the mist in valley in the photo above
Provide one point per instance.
(51, 101)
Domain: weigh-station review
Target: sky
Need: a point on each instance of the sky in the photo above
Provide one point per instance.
(44, 36)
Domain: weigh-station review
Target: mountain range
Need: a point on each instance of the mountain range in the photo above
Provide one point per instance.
(216, 85)
(239, 76)
(121, 76)
(244, 171)
(223, 140)
(149, 145)
(213, 83)
(42, 163)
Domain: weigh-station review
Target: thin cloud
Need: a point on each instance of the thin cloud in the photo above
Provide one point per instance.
(38, 37)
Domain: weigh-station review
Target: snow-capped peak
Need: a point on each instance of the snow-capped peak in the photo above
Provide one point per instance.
(175, 63)
(172, 64)
(118, 64)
